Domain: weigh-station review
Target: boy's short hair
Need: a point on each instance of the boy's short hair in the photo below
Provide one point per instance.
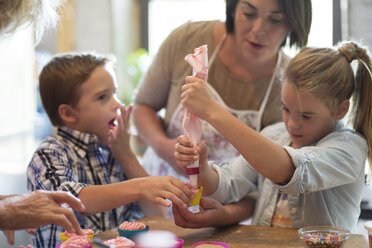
(61, 79)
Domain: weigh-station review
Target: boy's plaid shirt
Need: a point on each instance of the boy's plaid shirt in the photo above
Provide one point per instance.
(71, 160)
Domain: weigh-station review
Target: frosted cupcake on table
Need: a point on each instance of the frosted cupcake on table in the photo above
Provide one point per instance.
(119, 242)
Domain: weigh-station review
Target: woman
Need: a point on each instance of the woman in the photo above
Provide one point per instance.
(245, 74)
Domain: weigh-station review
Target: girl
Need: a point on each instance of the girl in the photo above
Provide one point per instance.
(308, 169)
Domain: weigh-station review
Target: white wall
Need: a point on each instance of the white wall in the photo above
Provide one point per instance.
(17, 111)
(359, 20)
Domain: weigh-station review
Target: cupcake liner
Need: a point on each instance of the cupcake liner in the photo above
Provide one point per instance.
(179, 243)
(196, 200)
(63, 238)
(130, 234)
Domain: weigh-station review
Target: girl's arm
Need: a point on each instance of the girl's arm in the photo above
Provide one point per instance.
(268, 158)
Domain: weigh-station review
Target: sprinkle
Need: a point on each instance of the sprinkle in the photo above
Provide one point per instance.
(324, 240)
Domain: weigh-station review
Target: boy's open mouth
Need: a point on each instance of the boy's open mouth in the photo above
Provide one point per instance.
(112, 124)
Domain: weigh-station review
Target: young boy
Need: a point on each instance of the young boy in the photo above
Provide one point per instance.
(89, 154)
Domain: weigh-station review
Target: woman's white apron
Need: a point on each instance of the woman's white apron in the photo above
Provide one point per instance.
(219, 148)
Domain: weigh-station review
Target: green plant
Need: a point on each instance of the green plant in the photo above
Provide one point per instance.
(137, 62)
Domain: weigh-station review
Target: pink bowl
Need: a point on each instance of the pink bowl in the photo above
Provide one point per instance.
(179, 243)
(196, 245)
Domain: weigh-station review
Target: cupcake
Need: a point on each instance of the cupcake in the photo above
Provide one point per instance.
(132, 225)
(76, 241)
(131, 229)
(66, 235)
(120, 242)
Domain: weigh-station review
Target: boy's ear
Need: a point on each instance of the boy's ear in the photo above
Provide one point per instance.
(342, 109)
(67, 113)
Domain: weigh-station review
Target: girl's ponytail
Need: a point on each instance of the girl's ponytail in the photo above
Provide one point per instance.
(361, 113)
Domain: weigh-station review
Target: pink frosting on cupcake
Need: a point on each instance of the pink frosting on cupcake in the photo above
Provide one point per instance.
(119, 242)
(86, 232)
(132, 226)
(76, 241)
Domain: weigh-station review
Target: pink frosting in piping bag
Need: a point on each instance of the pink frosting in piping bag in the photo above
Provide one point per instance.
(191, 124)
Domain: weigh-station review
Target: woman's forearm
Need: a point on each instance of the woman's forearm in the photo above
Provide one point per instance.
(148, 125)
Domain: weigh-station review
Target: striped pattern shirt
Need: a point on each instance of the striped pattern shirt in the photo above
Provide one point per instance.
(71, 160)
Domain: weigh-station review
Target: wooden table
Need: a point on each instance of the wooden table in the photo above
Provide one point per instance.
(237, 236)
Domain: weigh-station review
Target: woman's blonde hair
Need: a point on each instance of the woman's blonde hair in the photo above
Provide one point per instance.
(327, 74)
(18, 13)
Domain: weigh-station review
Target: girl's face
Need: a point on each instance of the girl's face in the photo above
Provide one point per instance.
(260, 28)
(97, 108)
(307, 119)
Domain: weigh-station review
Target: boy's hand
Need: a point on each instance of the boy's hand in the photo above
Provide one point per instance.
(118, 137)
(157, 189)
(186, 154)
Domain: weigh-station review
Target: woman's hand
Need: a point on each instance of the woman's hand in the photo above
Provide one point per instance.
(39, 208)
(157, 189)
(213, 214)
(196, 97)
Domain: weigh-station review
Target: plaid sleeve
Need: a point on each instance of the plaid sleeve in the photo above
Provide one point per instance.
(50, 169)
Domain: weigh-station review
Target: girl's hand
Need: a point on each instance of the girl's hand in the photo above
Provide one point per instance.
(118, 137)
(186, 154)
(165, 150)
(196, 97)
(157, 189)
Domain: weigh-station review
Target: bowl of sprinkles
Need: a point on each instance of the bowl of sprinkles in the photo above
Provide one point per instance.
(323, 236)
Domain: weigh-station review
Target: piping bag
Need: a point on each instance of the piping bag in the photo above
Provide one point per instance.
(191, 124)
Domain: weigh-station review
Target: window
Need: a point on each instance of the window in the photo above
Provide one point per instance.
(178, 12)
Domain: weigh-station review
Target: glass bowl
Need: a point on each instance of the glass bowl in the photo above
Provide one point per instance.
(323, 236)
(130, 234)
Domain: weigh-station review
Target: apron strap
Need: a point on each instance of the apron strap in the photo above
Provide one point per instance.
(268, 91)
(215, 52)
